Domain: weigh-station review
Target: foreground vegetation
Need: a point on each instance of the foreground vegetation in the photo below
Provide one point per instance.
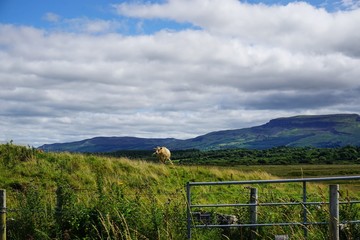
(75, 196)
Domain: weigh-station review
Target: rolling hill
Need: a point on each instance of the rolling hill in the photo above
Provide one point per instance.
(322, 131)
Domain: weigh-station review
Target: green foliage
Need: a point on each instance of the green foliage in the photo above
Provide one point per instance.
(75, 196)
(273, 156)
(11, 154)
(33, 213)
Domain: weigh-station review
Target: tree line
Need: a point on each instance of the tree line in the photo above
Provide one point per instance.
(274, 156)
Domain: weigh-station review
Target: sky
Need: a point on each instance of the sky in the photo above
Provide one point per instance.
(72, 70)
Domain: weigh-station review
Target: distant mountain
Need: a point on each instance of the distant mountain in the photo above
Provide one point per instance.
(109, 144)
(322, 131)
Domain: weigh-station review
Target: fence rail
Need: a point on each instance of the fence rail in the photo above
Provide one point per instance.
(333, 203)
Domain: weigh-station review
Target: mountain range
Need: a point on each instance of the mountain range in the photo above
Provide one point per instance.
(321, 131)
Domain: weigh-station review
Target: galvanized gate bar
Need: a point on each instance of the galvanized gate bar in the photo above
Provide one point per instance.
(268, 224)
(266, 204)
(334, 212)
(276, 181)
(2, 214)
(258, 224)
(305, 210)
(188, 198)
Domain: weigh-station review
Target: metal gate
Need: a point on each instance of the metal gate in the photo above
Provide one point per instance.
(333, 203)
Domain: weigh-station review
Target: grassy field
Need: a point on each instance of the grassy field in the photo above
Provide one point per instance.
(304, 171)
(75, 196)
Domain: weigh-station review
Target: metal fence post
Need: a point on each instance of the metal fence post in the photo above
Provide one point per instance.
(188, 198)
(253, 211)
(334, 212)
(3, 214)
(305, 210)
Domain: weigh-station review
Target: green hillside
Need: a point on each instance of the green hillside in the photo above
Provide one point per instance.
(75, 196)
(321, 131)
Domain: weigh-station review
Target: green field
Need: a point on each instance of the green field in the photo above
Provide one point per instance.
(304, 171)
(76, 196)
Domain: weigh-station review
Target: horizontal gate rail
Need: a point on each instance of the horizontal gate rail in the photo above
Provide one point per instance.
(266, 204)
(269, 224)
(325, 179)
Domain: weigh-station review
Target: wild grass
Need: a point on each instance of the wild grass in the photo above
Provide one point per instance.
(303, 170)
(75, 196)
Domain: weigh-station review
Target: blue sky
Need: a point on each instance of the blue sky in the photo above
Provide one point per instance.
(34, 13)
(71, 70)
(23, 12)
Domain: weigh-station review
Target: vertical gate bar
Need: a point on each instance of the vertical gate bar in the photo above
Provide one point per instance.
(188, 198)
(253, 211)
(305, 210)
(334, 212)
(3, 214)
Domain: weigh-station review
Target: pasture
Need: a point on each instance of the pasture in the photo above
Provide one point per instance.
(299, 171)
(76, 196)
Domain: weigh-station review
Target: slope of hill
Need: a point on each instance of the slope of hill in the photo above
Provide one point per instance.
(109, 144)
(79, 196)
(299, 131)
(323, 131)
(100, 197)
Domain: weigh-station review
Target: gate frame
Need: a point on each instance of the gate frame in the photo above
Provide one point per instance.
(250, 182)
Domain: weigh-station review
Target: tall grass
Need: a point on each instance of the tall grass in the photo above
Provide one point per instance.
(74, 196)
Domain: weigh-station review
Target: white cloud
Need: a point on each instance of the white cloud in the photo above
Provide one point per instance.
(351, 4)
(297, 26)
(91, 26)
(52, 17)
(83, 24)
(246, 65)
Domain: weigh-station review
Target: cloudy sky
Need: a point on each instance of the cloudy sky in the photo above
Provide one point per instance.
(71, 70)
